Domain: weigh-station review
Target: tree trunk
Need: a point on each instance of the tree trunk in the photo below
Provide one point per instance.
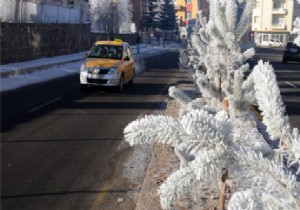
(224, 170)
(225, 102)
(223, 187)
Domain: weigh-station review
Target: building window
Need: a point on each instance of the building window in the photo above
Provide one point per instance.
(188, 15)
(265, 37)
(277, 20)
(257, 4)
(256, 19)
(278, 4)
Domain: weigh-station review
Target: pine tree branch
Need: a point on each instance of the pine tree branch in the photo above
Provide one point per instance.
(151, 129)
(177, 185)
(179, 96)
(273, 112)
(246, 200)
(271, 175)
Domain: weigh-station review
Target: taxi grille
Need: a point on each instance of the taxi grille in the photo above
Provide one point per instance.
(97, 81)
(104, 71)
(101, 71)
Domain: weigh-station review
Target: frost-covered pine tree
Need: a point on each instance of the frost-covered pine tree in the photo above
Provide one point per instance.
(228, 140)
(274, 180)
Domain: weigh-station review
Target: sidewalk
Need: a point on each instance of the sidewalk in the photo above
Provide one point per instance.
(13, 69)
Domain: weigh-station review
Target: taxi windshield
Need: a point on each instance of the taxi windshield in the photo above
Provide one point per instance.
(106, 51)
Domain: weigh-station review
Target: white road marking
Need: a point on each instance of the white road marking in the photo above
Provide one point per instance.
(294, 86)
(43, 105)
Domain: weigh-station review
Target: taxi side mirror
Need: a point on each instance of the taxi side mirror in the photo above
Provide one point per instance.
(126, 58)
(86, 54)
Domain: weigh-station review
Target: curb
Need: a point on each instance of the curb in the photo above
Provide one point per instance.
(159, 169)
(35, 68)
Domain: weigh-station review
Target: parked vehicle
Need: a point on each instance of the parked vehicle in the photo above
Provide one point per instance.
(291, 53)
(275, 43)
(272, 43)
(183, 33)
(108, 63)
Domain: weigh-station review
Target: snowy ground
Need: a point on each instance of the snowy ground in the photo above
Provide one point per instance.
(20, 80)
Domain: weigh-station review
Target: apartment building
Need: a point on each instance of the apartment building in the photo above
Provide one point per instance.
(273, 20)
(191, 10)
(137, 13)
(203, 5)
(180, 12)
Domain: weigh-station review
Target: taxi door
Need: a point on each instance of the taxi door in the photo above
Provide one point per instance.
(128, 63)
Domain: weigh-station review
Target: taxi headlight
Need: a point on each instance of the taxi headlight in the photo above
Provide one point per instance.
(112, 71)
(83, 68)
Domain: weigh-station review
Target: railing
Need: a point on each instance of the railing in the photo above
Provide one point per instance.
(30, 12)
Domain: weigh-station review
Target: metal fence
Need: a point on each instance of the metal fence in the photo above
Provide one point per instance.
(30, 12)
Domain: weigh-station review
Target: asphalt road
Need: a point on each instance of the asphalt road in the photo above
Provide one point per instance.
(63, 148)
(288, 77)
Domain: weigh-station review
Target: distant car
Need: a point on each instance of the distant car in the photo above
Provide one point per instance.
(108, 63)
(291, 53)
(275, 43)
(272, 43)
(183, 33)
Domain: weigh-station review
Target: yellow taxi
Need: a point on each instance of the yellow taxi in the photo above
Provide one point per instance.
(108, 63)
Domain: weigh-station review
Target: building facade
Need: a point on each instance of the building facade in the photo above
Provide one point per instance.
(137, 14)
(185, 11)
(44, 11)
(203, 6)
(180, 12)
(272, 20)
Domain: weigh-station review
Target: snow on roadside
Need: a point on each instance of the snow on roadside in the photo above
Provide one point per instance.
(21, 80)
(136, 166)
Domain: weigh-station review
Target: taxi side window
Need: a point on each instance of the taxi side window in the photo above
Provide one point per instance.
(128, 52)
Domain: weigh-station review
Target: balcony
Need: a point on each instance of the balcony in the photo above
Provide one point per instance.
(278, 26)
(179, 8)
(279, 11)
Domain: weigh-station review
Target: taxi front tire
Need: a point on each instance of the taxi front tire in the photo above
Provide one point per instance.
(83, 87)
(121, 84)
(132, 78)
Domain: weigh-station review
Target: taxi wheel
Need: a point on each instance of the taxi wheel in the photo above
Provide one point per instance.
(121, 84)
(83, 87)
(132, 78)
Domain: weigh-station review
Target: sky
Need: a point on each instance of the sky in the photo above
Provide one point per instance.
(20, 80)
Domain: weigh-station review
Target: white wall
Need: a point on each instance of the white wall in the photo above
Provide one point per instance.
(17, 11)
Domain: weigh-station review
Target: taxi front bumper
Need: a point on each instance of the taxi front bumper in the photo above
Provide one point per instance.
(102, 80)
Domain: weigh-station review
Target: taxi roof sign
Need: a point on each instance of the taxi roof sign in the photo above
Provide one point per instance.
(118, 41)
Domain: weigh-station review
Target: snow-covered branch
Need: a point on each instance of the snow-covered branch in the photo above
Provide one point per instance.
(273, 111)
(270, 179)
